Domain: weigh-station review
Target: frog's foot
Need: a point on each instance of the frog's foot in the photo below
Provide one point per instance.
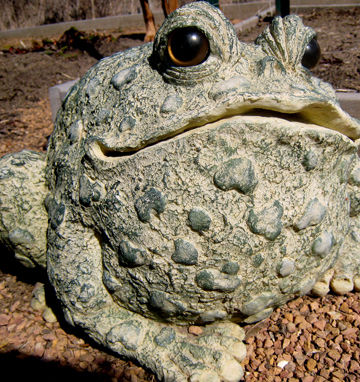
(178, 356)
(345, 276)
(170, 351)
(23, 217)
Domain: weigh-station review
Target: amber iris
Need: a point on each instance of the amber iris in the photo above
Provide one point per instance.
(188, 47)
(312, 55)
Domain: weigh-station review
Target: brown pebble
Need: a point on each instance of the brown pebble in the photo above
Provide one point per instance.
(299, 319)
(320, 324)
(314, 305)
(318, 378)
(329, 362)
(268, 343)
(291, 327)
(320, 342)
(354, 366)
(195, 330)
(350, 333)
(311, 364)
(304, 308)
(345, 346)
(39, 349)
(4, 319)
(308, 378)
(344, 307)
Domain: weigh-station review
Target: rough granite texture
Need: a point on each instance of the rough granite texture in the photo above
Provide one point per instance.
(207, 194)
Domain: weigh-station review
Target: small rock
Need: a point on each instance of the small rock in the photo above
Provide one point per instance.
(14, 306)
(320, 324)
(335, 315)
(282, 364)
(334, 354)
(344, 307)
(195, 330)
(291, 327)
(307, 378)
(354, 366)
(318, 378)
(320, 342)
(311, 364)
(4, 319)
(39, 349)
(49, 336)
(345, 346)
(49, 315)
(83, 365)
(314, 305)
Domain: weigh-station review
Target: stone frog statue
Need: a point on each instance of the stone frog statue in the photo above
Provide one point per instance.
(195, 180)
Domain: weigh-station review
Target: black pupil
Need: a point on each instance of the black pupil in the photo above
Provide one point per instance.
(188, 46)
(312, 55)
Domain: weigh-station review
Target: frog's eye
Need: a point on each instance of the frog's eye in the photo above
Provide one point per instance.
(312, 55)
(188, 47)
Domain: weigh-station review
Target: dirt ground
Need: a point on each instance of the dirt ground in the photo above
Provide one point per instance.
(317, 340)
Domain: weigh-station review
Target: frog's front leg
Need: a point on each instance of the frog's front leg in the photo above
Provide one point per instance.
(23, 217)
(345, 276)
(75, 269)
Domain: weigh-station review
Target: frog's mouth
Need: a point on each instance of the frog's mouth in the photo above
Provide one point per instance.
(319, 113)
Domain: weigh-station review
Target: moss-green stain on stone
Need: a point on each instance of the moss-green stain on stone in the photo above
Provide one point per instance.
(309, 161)
(152, 200)
(231, 268)
(199, 220)
(166, 337)
(185, 253)
(238, 174)
(130, 256)
(161, 301)
(267, 222)
(213, 280)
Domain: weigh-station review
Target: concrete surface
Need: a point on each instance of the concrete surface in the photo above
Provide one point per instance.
(57, 94)
(350, 102)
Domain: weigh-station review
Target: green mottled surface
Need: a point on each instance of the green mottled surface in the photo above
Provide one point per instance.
(199, 194)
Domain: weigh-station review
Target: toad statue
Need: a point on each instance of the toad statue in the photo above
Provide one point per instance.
(193, 180)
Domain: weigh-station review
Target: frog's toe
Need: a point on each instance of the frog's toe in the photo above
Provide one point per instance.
(227, 329)
(225, 337)
(322, 287)
(207, 376)
(209, 356)
(357, 283)
(231, 371)
(342, 283)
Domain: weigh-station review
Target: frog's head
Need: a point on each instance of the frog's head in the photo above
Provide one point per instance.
(214, 78)
(206, 172)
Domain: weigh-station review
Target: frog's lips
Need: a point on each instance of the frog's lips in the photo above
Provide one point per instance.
(324, 114)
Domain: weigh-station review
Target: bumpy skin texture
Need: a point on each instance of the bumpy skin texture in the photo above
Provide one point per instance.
(199, 194)
(23, 217)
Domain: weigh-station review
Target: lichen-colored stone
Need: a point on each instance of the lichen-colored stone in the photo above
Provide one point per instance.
(178, 195)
